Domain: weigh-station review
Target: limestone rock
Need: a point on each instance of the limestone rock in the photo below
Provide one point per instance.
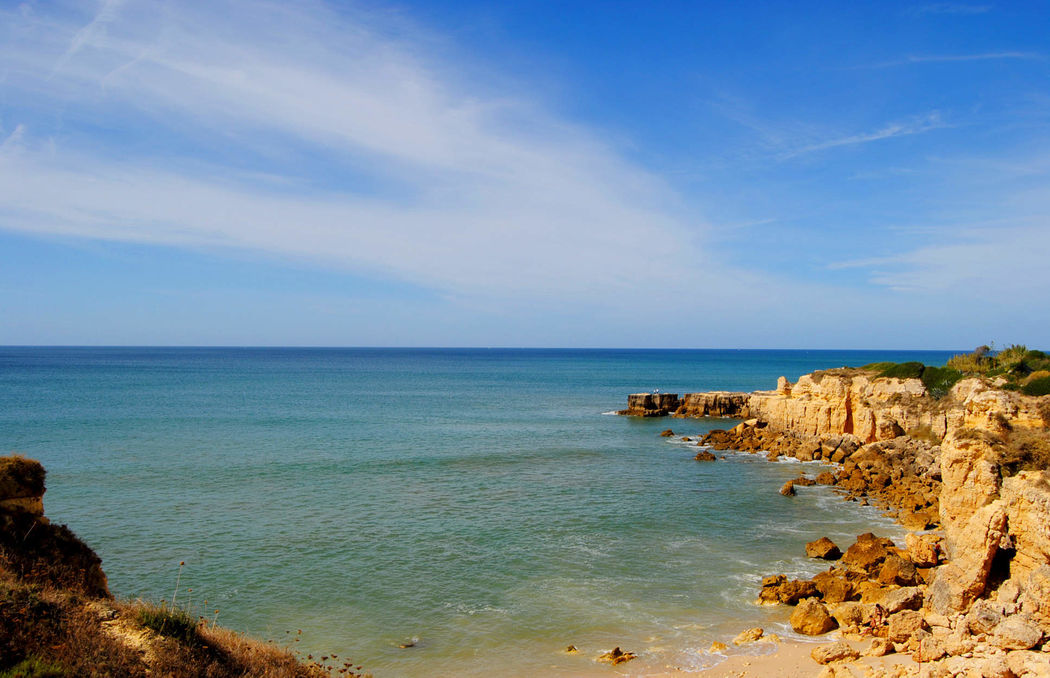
(717, 647)
(788, 489)
(897, 570)
(984, 616)
(930, 649)
(824, 549)
(838, 651)
(748, 636)
(1025, 663)
(1016, 633)
(923, 549)
(880, 647)
(617, 656)
(905, 598)
(777, 589)
(811, 618)
(666, 433)
(704, 455)
(852, 613)
(974, 545)
(867, 553)
(826, 478)
(833, 587)
(903, 625)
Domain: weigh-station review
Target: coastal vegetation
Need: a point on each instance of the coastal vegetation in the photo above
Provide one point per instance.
(1016, 368)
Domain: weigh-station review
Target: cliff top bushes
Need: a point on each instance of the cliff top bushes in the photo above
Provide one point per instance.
(1024, 370)
(937, 380)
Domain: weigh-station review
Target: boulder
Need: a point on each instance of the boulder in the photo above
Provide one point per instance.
(777, 589)
(852, 613)
(833, 587)
(824, 549)
(834, 652)
(930, 649)
(704, 455)
(880, 647)
(826, 478)
(906, 598)
(902, 626)
(748, 636)
(897, 570)
(984, 616)
(717, 647)
(788, 489)
(804, 481)
(666, 433)
(811, 618)
(1016, 633)
(924, 550)
(867, 553)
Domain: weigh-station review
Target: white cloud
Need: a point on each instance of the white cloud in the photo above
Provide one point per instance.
(493, 196)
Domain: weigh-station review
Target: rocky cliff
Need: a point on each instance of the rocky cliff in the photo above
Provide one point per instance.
(972, 598)
(58, 619)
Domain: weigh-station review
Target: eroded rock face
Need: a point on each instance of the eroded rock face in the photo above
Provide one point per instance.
(31, 547)
(22, 485)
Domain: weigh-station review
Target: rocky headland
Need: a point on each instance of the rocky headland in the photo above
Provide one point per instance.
(968, 594)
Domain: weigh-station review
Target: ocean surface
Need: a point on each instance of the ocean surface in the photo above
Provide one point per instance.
(480, 504)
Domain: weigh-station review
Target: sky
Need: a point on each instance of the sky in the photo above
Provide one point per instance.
(525, 173)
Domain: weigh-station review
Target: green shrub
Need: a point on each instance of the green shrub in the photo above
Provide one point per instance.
(910, 370)
(173, 623)
(939, 380)
(1037, 387)
(34, 668)
(970, 363)
(878, 367)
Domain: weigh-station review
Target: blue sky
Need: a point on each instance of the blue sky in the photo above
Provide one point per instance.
(680, 174)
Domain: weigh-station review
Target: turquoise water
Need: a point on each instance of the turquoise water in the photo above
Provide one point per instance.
(475, 502)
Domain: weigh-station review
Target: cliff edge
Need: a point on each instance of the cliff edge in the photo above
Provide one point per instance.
(58, 618)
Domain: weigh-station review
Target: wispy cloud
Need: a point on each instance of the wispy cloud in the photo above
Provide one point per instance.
(448, 182)
(926, 123)
(949, 8)
(953, 58)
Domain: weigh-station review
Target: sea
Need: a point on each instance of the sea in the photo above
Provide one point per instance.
(429, 512)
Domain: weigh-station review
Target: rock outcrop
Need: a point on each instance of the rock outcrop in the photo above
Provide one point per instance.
(973, 598)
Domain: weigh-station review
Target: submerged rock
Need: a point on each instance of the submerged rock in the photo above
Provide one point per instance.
(617, 656)
(748, 636)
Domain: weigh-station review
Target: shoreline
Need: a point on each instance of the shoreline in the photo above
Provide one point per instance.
(963, 472)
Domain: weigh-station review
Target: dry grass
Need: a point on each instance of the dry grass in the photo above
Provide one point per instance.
(1025, 450)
